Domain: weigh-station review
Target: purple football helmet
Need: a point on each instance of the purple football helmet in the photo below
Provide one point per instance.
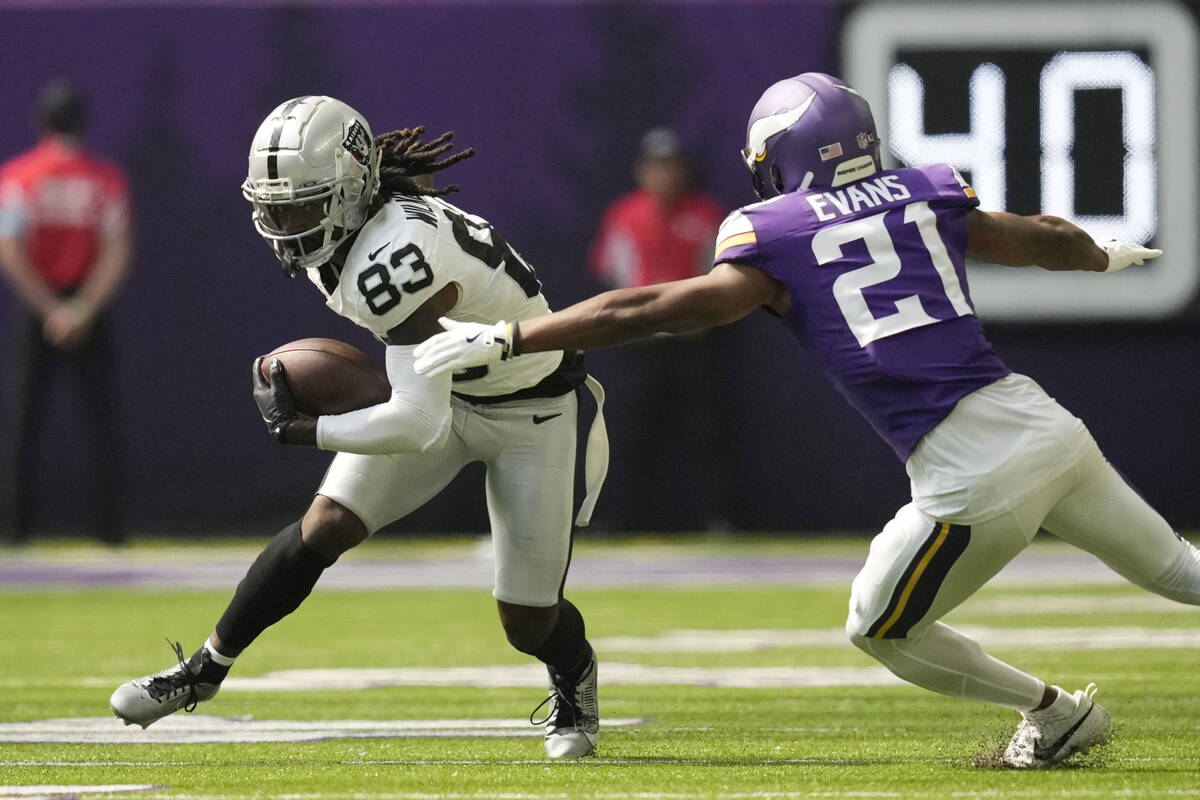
(810, 131)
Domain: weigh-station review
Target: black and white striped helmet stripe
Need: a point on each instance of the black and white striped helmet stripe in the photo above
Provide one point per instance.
(277, 134)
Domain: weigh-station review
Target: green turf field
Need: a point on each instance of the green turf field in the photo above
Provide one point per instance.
(65, 649)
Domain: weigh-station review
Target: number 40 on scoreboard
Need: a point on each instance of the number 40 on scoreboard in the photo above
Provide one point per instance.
(1084, 111)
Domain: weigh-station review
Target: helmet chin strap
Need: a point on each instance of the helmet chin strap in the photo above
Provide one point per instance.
(291, 267)
(354, 212)
(353, 217)
(760, 187)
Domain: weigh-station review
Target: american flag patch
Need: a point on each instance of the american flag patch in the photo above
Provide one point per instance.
(830, 151)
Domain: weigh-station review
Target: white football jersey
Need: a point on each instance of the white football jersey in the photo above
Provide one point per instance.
(410, 249)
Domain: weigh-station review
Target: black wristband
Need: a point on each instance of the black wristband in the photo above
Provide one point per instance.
(516, 340)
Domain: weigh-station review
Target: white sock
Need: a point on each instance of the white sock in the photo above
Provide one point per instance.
(1063, 706)
(224, 661)
(945, 661)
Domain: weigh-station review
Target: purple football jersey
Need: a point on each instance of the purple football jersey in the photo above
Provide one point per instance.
(878, 291)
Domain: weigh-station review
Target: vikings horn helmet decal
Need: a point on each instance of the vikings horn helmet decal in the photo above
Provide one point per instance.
(810, 131)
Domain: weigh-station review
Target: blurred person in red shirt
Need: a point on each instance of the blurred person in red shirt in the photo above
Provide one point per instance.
(64, 251)
(662, 231)
(665, 390)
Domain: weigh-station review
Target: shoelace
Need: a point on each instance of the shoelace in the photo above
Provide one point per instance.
(165, 684)
(560, 700)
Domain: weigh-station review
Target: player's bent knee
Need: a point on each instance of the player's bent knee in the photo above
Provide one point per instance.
(877, 648)
(856, 636)
(527, 627)
(857, 622)
(330, 528)
(1181, 581)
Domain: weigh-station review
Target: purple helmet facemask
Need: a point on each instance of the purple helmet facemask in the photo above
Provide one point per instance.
(810, 131)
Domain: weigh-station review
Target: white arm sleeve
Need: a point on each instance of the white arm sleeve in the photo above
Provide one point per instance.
(414, 420)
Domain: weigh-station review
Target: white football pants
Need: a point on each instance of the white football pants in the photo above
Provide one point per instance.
(528, 447)
(918, 569)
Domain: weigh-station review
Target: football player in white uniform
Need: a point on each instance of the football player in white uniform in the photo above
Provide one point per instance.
(356, 214)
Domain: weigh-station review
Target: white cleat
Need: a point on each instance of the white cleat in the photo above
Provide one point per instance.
(573, 722)
(147, 699)
(1044, 739)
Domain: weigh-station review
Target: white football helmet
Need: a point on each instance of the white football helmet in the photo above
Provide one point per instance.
(314, 170)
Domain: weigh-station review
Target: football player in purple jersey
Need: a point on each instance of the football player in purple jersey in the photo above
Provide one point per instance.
(866, 269)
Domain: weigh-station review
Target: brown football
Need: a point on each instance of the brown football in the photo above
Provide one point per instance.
(326, 376)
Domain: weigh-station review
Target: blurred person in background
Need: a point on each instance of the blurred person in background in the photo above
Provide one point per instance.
(666, 393)
(661, 231)
(867, 269)
(64, 251)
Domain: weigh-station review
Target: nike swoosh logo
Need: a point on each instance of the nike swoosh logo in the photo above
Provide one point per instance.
(1044, 753)
(538, 419)
(473, 338)
(377, 252)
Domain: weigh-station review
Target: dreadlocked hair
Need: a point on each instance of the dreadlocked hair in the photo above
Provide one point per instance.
(404, 157)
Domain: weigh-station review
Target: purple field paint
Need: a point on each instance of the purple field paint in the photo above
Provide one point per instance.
(361, 572)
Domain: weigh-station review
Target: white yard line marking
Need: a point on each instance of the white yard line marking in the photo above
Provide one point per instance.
(710, 641)
(58, 791)
(1019, 605)
(615, 673)
(156, 792)
(40, 763)
(198, 728)
(517, 676)
(862, 794)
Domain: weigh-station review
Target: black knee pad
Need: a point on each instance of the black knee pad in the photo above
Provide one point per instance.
(525, 638)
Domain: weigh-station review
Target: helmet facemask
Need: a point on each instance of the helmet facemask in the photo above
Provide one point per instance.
(305, 225)
(314, 170)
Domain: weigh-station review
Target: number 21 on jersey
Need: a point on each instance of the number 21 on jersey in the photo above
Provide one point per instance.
(850, 289)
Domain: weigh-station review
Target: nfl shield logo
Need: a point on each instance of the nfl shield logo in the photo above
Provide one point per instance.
(864, 140)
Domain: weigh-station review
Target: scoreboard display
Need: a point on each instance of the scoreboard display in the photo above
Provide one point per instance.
(1083, 111)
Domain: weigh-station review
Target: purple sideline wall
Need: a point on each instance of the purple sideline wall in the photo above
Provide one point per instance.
(553, 96)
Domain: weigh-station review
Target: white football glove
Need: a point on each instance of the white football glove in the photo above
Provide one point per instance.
(463, 345)
(1122, 254)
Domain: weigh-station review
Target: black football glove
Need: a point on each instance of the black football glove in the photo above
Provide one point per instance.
(274, 398)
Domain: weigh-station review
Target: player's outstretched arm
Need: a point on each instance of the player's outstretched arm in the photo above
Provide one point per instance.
(725, 295)
(1048, 242)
